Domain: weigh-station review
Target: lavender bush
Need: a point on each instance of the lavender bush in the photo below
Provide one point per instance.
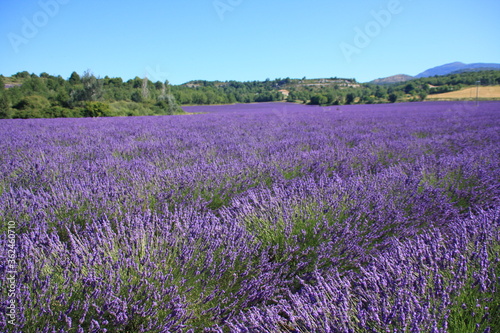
(255, 218)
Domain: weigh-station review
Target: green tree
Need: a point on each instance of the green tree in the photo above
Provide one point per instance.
(137, 82)
(393, 98)
(74, 79)
(380, 92)
(5, 110)
(422, 94)
(319, 99)
(33, 106)
(166, 102)
(137, 97)
(91, 91)
(199, 98)
(92, 87)
(409, 88)
(22, 75)
(32, 102)
(54, 83)
(61, 98)
(34, 86)
(116, 82)
(96, 109)
(350, 98)
(61, 112)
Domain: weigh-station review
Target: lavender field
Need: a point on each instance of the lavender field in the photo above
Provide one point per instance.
(255, 218)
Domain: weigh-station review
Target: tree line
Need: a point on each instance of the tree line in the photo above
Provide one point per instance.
(409, 91)
(26, 95)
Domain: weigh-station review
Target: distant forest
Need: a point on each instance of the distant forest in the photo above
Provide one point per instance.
(26, 95)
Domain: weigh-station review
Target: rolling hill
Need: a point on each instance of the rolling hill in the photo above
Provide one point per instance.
(393, 79)
(446, 69)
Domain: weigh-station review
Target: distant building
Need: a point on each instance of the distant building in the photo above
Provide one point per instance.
(284, 92)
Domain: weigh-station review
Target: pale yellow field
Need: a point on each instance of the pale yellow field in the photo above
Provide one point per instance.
(484, 92)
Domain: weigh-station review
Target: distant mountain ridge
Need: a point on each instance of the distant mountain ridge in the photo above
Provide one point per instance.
(457, 67)
(446, 69)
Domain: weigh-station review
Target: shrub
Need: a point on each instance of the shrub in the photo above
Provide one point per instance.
(32, 107)
(97, 109)
(5, 110)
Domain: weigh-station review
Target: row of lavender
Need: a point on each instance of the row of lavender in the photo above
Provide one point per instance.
(256, 218)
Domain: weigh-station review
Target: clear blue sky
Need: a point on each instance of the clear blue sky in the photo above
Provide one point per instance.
(245, 39)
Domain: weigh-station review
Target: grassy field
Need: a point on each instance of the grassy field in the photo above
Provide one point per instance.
(490, 92)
